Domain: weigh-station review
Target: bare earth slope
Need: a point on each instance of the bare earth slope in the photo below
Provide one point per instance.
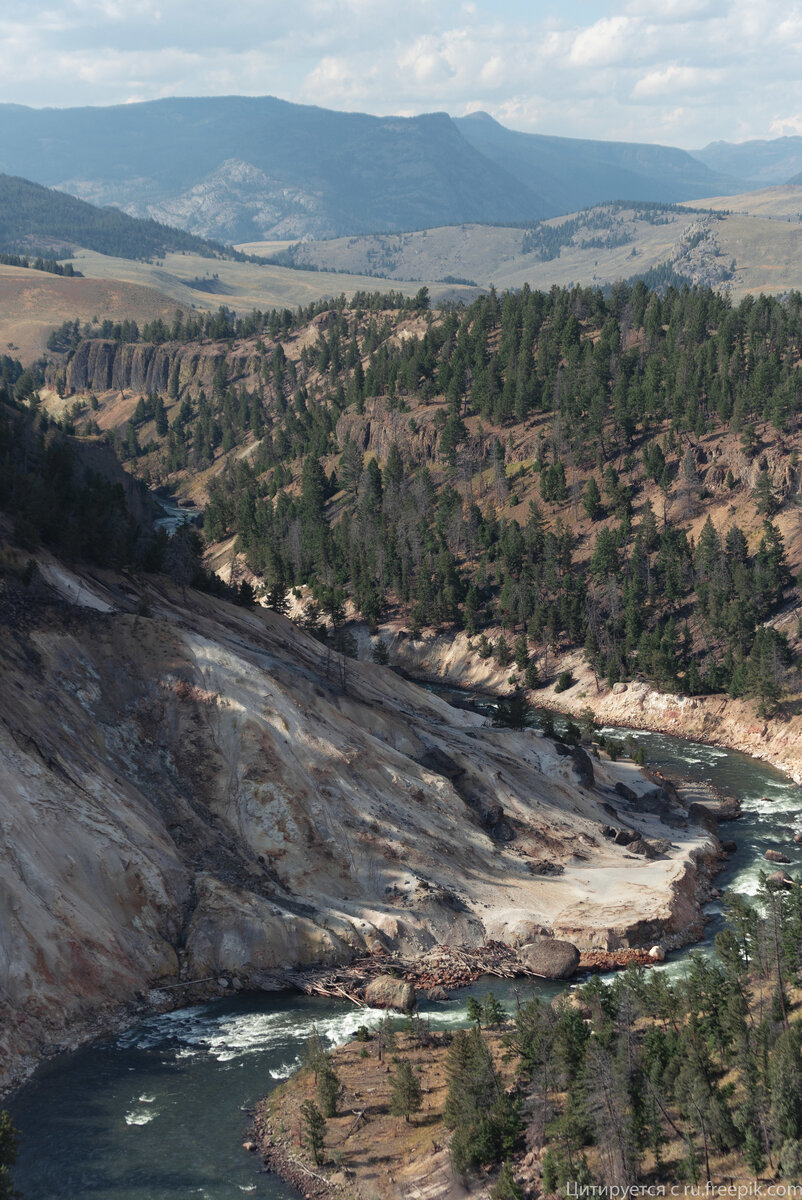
(204, 791)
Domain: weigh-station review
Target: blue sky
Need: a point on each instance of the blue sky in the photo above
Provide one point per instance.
(682, 72)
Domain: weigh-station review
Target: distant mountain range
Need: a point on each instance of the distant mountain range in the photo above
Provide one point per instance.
(246, 169)
(763, 163)
(570, 173)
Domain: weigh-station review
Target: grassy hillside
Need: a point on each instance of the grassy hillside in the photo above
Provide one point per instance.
(33, 302)
(783, 203)
(744, 244)
(195, 282)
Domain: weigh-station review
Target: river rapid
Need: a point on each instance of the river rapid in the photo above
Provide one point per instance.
(159, 1112)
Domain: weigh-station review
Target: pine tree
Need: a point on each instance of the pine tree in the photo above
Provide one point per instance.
(314, 1130)
(9, 1142)
(505, 1187)
(328, 1087)
(591, 500)
(406, 1096)
(764, 495)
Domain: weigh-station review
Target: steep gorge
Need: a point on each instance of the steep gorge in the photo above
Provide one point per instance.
(195, 792)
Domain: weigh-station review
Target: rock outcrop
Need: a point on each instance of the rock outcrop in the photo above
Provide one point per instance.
(100, 365)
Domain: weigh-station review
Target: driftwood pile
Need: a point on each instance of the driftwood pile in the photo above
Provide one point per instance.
(614, 960)
(445, 967)
(441, 967)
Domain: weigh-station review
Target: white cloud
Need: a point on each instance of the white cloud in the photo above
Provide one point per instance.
(679, 10)
(674, 80)
(684, 70)
(607, 41)
(790, 126)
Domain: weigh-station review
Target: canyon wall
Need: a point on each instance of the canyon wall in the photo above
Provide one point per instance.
(192, 791)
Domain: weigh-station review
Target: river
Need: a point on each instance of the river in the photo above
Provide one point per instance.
(159, 1112)
(174, 515)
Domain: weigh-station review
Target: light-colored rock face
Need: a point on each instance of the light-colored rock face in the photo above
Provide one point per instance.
(717, 719)
(206, 790)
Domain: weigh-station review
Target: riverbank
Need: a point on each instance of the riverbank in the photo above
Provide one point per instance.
(716, 720)
(199, 1068)
(239, 801)
(368, 1153)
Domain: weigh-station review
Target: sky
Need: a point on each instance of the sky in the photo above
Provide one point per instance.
(679, 72)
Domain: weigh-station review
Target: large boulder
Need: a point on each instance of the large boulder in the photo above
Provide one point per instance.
(550, 958)
(438, 994)
(387, 992)
(776, 856)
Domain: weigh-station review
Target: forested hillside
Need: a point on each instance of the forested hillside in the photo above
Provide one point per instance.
(35, 219)
(562, 469)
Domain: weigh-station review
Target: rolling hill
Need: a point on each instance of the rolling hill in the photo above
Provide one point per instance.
(133, 269)
(744, 244)
(245, 168)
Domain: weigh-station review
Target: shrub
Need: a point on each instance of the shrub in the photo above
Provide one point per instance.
(564, 681)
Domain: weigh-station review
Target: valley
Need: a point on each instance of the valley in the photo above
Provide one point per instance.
(746, 244)
(219, 770)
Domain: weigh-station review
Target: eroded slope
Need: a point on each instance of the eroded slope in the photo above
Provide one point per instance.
(202, 791)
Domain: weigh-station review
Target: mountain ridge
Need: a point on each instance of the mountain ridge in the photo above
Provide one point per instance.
(325, 173)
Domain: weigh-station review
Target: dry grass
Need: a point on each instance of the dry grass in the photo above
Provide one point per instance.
(385, 1157)
(777, 202)
(241, 286)
(761, 233)
(32, 303)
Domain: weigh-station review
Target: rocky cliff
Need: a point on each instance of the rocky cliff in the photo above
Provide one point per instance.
(101, 365)
(190, 791)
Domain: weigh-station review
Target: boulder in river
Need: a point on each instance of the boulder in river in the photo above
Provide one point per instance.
(798, 839)
(729, 846)
(780, 879)
(550, 958)
(438, 994)
(657, 954)
(776, 856)
(387, 992)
